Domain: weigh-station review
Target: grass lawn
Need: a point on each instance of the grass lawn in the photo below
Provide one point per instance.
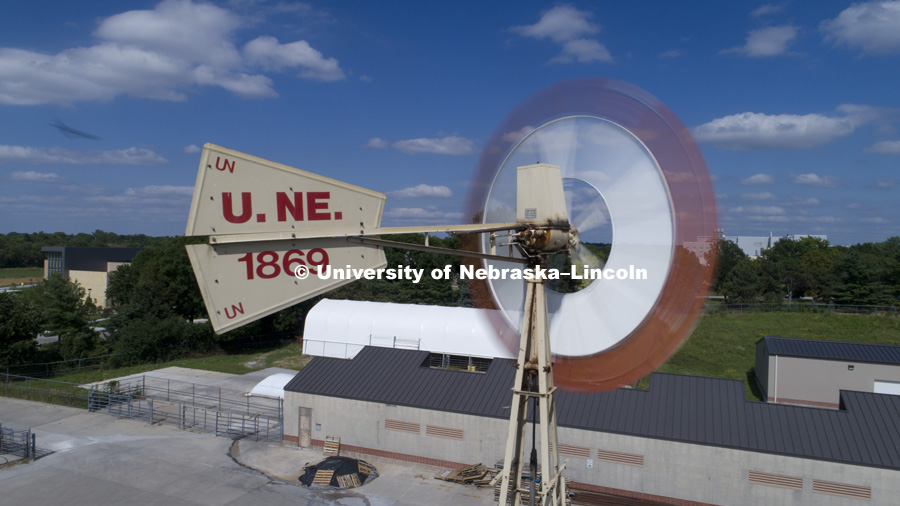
(59, 389)
(287, 356)
(724, 343)
(722, 346)
(21, 275)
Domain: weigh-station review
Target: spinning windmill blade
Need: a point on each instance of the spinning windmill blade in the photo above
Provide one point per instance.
(642, 165)
(641, 172)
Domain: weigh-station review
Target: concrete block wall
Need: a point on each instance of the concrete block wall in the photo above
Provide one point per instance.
(670, 471)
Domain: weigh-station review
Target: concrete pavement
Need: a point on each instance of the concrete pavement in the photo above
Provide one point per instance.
(97, 459)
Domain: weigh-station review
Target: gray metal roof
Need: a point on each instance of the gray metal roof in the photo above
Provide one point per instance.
(832, 350)
(689, 409)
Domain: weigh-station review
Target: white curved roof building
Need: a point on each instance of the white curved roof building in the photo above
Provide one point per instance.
(340, 329)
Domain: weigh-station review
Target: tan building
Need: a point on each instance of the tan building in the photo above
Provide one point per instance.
(89, 267)
(813, 373)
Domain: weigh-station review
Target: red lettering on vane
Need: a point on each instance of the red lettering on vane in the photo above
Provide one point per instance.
(234, 310)
(226, 165)
(286, 205)
(313, 205)
(228, 208)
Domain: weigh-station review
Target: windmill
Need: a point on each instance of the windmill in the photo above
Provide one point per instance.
(625, 149)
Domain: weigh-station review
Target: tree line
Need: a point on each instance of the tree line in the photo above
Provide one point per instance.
(24, 250)
(157, 312)
(866, 274)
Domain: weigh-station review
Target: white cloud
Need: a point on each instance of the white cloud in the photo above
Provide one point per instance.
(582, 51)
(60, 156)
(252, 86)
(806, 201)
(758, 180)
(815, 180)
(885, 184)
(568, 27)
(673, 53)
(873, 27)
(191, 150)
(179, 29)
(764, 210)
(751, 131)
(517, 135)
(43, 177)
(430, 214)
(767, 9)
(159, 54)
(450, 145)
(160, 191)
(377, 143)
(422, 190)
(885, 148)
(268, 53)
(771, 41)
(876, 219)
(776, 219)
(758, 196)
(560, 24)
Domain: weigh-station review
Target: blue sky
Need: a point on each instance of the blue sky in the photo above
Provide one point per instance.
(794, 104)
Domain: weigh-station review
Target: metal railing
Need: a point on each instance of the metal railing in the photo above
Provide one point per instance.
(349, 350)
(801, 307)
(238, 425)
(190, 406)
(18, 442)
(47, 369)
(202, 396)
(43, 390)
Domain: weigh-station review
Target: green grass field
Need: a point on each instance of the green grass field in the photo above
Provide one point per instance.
(22, 272)
(20, 275)
(724, 344)
(60, 389)
(287, 356)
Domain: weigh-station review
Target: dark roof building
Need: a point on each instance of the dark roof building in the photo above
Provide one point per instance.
(688, 409)
(814, 372)
(89, 267)
(687, 440)
(63, 259)
(832, 350)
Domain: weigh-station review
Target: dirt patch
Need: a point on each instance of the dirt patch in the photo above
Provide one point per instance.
(295, 362)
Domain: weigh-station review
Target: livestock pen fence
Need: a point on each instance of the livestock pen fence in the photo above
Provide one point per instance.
(17, 442)
(190, 406)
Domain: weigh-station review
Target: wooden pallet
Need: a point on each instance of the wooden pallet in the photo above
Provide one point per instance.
(332, 446)
(323, 476)
(348, 480)
(365, 469)
(466, 475)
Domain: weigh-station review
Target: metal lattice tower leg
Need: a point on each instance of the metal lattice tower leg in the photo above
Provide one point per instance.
(534, 380)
